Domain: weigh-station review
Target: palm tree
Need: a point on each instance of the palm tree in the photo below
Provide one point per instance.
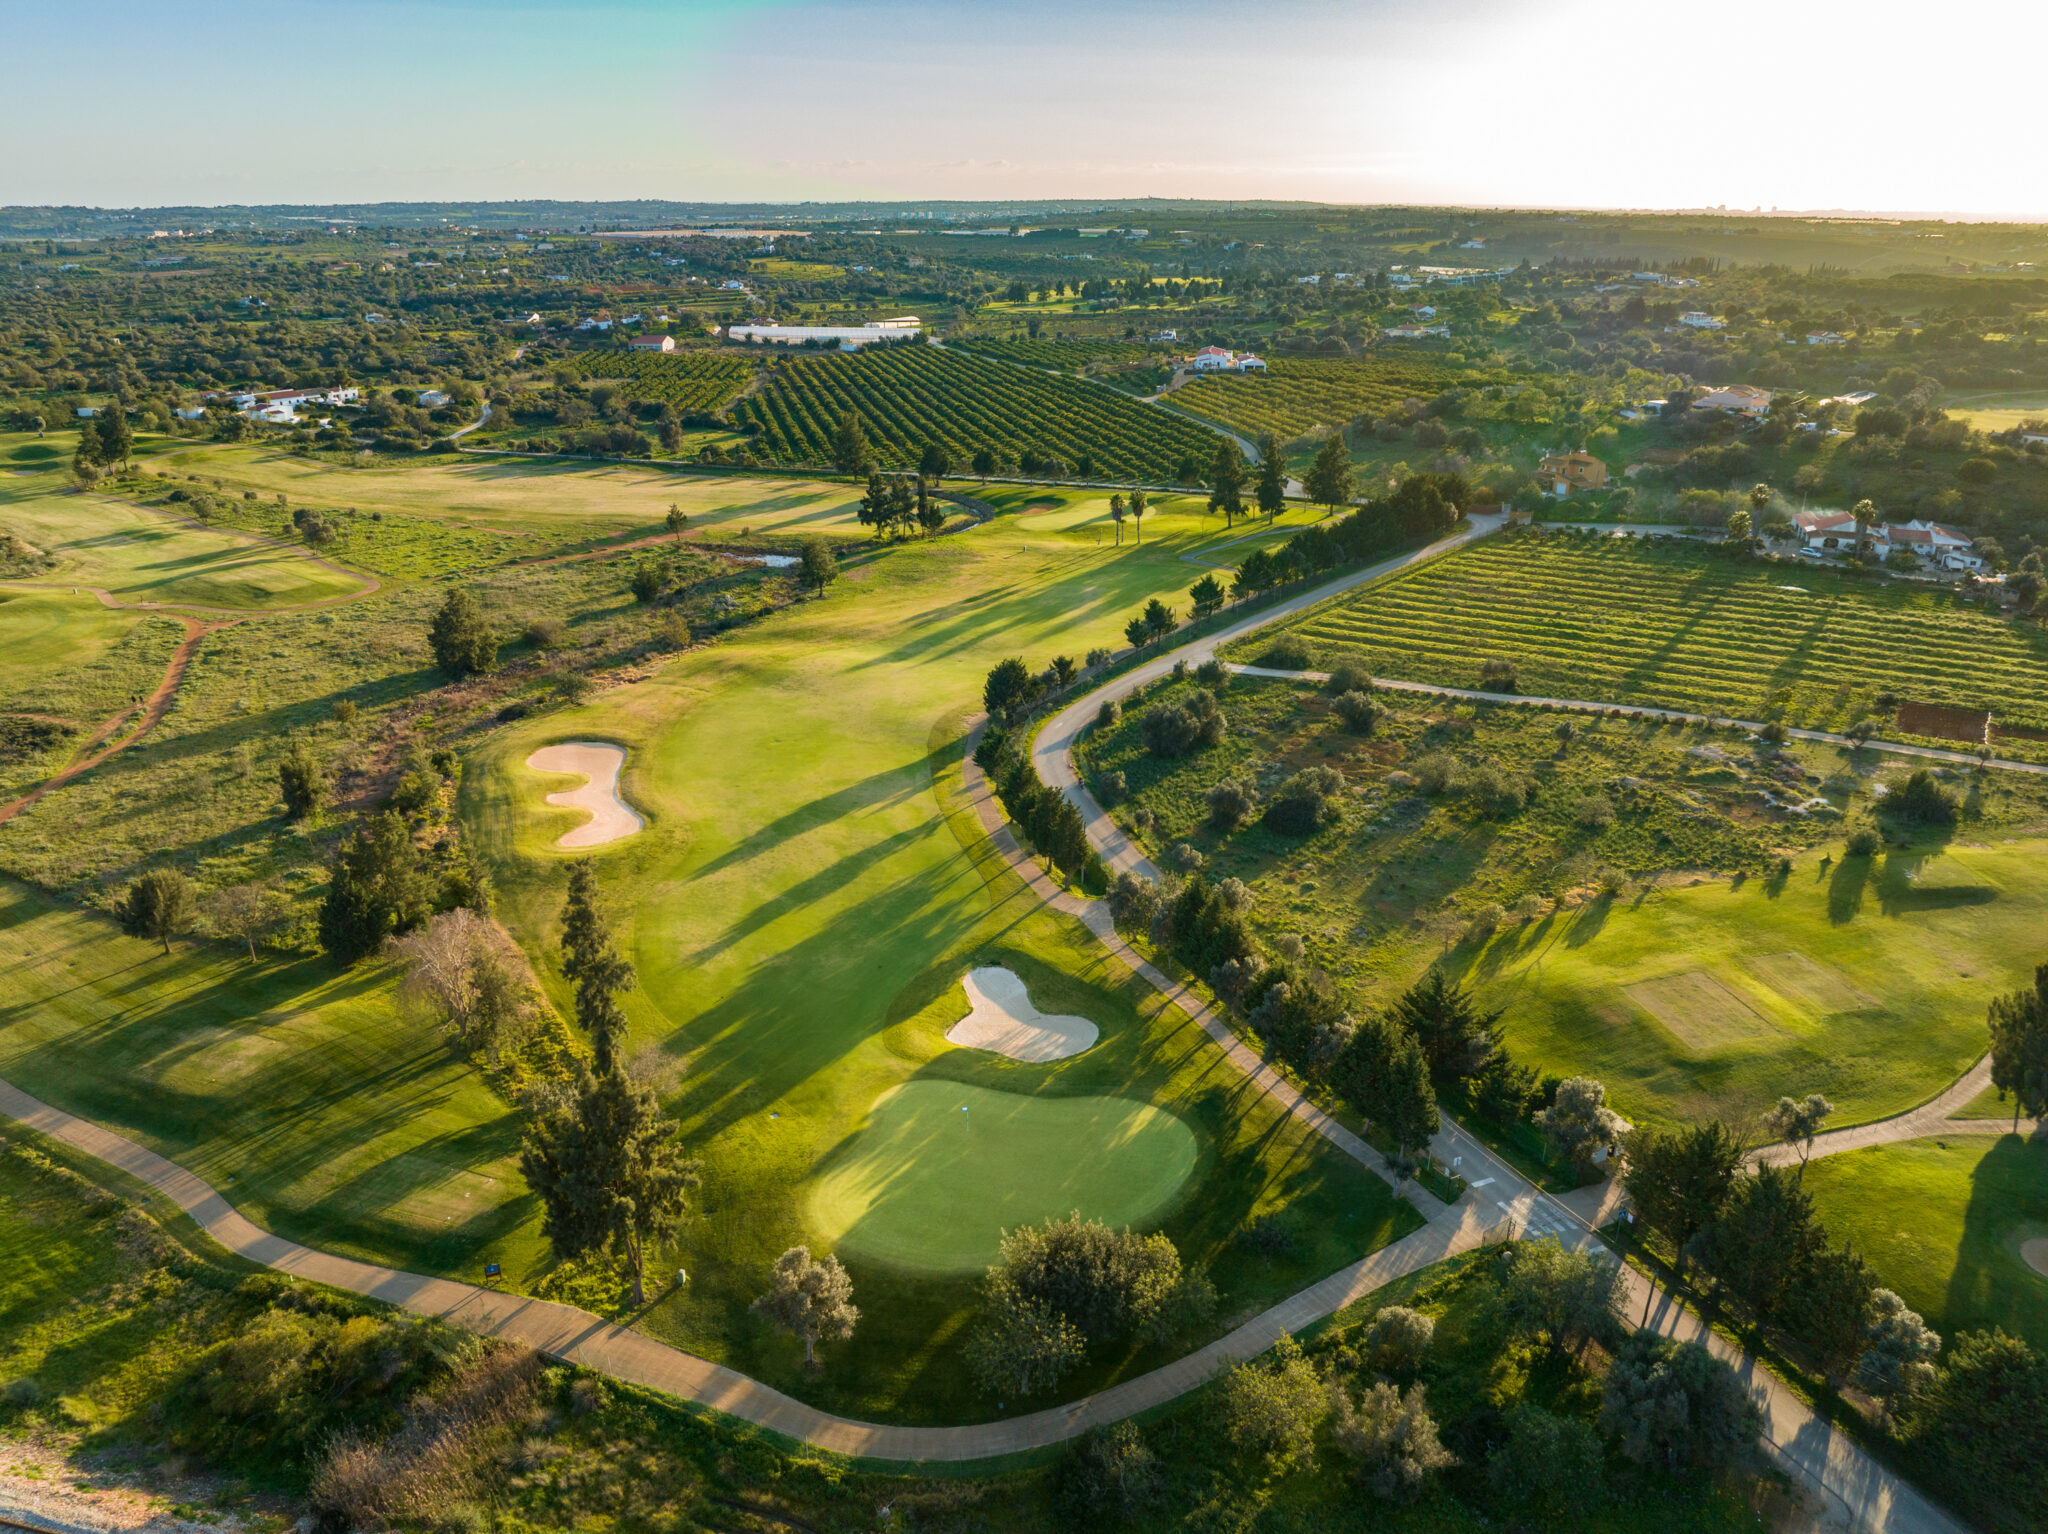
(1116, 515)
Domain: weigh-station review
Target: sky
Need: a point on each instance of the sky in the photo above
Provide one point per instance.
(1881, 105)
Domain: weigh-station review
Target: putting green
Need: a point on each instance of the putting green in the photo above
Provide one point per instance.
(925, 1185)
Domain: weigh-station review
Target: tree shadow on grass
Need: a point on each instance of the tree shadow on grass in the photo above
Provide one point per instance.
(1900, 893)
(1845, 888)
(1992, 1283)
(1588, 921)
(878, 790)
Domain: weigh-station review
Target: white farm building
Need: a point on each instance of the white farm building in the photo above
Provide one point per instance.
(848, 337)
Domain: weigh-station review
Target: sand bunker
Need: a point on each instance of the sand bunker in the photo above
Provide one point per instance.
(599, 761)
(1002, 1018)
(2036, 1253)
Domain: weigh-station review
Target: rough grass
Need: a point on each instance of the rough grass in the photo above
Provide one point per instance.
(1634, 622)
(1942, 1220)
(73, 665)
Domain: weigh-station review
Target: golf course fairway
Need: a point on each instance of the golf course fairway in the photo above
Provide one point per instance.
(942, 1169)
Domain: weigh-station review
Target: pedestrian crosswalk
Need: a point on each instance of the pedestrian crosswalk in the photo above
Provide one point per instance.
(1534, 1218)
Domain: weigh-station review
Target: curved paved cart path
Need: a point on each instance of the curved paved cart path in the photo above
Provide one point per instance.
(1925, 1122)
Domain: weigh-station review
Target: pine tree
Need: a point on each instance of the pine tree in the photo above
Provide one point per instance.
(1272, 491)
(609, 1171)
(1329, 481)
(2019, 1048)
(1226, 481)
(462, 641)
(158, 906)
(600, 973)
(850, 451)
(377, 889)
(116, 441)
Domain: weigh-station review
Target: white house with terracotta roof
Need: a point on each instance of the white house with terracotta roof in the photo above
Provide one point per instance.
(653, 343)
(1214, 359)
(1943, 547)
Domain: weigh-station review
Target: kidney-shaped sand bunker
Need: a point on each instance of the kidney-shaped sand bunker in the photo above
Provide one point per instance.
(1001, 1018)
(599, 763)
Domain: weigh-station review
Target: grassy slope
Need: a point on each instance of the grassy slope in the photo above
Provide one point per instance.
(801, 916)
(141, 557)
(1942, 1221)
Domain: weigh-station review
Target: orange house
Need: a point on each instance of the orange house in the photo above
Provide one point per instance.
(1562, 473)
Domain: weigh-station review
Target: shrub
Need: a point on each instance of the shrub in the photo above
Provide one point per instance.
(1487, 919)
(1398, 1340)
(1133, 903)
(1863, 842)
(1184, 857)
(1108, 1476)
(1108, 716)
(1302, 804)
(1348, 676)
(22, 1393)
(1594, 811)
(1270, 1407)
(1212, 673)
(1175, 729)
(1497, 675)
(1290, 652)
(1773, 733)
(1358, 711)
(1231, 804)
(1499, 791)
(1112, 789)
(1676, 1403)
(543, 633)
(1393, 1438)
(1923, 799)
(1435, 773)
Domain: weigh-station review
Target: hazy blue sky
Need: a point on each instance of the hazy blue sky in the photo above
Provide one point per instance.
(1797, 104)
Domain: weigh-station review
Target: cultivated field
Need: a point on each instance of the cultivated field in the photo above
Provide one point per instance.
(1632, 622)
(1296, 394)
(910, 397)
(695, 382)
(1065, 356)
(1943, 1221)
